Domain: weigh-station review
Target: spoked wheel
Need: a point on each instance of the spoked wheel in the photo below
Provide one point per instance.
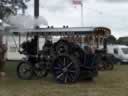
(24, 71)
(66, 69)
(41, 71)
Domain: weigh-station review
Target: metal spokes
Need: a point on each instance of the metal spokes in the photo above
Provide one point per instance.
(65, 71)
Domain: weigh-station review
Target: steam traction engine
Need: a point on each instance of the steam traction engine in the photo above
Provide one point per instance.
(66, 60)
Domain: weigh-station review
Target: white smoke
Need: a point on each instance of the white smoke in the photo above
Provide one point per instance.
(21, 21)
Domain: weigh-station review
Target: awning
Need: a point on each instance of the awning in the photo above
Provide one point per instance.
(56, 31)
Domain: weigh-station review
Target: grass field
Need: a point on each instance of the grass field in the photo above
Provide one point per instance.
(108, 83)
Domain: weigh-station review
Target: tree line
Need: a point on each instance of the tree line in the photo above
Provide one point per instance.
(121, 40)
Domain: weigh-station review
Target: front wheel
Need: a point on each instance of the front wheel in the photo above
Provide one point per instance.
(24, 71)
(66, 69)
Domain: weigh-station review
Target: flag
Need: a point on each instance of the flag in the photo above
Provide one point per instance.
(77, 2)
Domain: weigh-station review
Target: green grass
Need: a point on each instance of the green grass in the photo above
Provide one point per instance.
(108, 83)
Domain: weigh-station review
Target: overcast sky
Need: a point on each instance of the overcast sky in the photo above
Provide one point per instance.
(109, 13)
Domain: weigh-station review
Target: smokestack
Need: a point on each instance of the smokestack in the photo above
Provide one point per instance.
(36, 15)
(36, 8)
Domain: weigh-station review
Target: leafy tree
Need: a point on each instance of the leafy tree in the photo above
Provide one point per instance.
(8, 7)
(123, 40)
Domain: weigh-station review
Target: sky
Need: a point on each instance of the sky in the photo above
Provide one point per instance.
(108, 13)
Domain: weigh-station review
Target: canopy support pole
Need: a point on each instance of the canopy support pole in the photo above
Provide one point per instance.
(36, 15)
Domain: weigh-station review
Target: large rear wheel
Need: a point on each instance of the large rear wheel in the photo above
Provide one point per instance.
(66, 69)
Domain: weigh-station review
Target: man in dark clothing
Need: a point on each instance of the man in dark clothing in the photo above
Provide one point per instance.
(47, 47)
(30, 47)
(3, 50)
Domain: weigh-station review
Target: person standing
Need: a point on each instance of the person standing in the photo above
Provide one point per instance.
(3, 49)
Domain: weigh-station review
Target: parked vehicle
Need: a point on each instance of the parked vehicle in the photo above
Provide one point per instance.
(120, 52)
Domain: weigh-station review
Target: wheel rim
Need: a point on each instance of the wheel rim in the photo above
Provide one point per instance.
(25, 71)
(64, 70)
